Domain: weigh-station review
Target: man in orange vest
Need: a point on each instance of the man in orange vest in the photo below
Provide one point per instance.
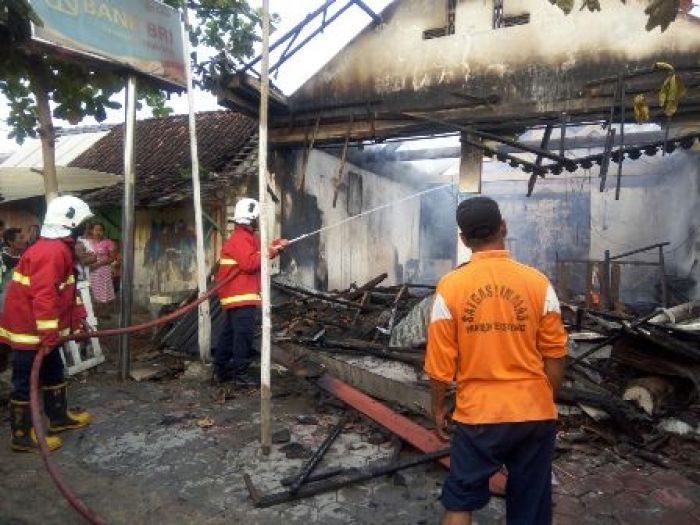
(240, 298)
(496, 330)
(39, 309)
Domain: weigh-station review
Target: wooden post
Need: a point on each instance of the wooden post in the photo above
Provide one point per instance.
(589, 283)
(469, 180)
(615, 281)
(204, 320)
(265, 388)
(605, 282)
(662, 270)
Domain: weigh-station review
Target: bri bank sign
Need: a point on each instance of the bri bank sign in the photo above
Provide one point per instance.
(143, 35)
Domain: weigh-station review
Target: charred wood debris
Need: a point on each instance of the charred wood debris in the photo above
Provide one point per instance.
(632, 381)
(631, 389)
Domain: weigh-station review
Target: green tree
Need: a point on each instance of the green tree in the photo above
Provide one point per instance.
(34, 80)
(661, 12)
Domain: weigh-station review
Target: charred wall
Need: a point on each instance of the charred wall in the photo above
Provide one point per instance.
(660, 202)
(385, 241)
(548, 60)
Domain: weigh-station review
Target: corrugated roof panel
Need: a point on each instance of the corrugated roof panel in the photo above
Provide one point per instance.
(67, 149)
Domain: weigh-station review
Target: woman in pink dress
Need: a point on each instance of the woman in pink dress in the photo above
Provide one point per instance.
(101, 271)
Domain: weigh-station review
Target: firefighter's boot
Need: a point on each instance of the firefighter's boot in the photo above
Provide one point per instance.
(56, 408)
(23, 436)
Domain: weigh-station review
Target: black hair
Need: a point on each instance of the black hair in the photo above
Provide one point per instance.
(10, 235)
(477, 243)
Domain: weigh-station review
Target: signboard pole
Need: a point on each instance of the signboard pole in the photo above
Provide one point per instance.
(127, 284)
(265, 389)
(204, 321)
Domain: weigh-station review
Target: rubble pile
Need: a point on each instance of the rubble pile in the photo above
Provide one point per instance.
(359, 320)
(632, 385)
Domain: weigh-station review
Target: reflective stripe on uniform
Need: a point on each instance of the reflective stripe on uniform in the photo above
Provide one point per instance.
(67, 282)
(240, 298)
(48, 324)
(19, 278)
(26, 339)
(228, 262)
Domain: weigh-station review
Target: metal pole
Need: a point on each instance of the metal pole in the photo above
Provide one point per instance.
(204, 320)
(265, 391)
(126, 290)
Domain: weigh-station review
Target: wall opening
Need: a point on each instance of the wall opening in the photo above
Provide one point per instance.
(448, 28)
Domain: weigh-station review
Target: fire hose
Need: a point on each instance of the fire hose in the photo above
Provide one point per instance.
(38, 421)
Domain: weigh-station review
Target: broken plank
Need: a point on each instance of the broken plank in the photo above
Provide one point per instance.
(408, 430)
(411, 432)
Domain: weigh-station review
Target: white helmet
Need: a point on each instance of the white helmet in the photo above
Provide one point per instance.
(246, 211)
(66, 212)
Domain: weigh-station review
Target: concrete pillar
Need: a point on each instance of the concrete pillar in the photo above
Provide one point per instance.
(469, 184)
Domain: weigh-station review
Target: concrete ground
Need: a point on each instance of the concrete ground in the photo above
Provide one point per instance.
(175, 451)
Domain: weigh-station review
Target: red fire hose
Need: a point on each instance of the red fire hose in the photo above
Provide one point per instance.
(38, 420)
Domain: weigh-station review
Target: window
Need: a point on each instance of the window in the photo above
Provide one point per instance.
(449, 28)
(502, 18)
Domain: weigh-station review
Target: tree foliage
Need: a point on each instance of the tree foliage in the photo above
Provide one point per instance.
(661, 12)
(78, 90)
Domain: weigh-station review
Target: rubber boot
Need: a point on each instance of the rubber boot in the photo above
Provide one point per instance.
(23, 435)
(56, 408)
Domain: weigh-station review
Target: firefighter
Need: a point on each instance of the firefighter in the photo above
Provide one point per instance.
(39, 309)
(240, 298)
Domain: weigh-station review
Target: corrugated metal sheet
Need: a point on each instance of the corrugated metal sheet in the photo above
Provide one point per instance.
(20, 173)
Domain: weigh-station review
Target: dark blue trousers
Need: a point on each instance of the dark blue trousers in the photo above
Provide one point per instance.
(22, 360)
(236, 346)
(526, 449)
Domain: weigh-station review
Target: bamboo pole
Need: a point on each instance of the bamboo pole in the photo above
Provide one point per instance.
(265, 391)
(203, 318)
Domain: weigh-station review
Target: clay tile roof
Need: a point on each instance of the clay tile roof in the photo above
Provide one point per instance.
(163, 166)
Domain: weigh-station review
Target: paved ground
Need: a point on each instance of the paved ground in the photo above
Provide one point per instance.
(145, 459)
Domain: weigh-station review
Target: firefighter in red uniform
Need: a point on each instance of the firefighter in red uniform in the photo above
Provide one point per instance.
(39, 309)
(240, 298)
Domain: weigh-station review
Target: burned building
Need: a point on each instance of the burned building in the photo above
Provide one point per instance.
(532, 106)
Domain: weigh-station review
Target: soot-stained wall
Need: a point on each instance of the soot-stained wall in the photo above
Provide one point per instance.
(384, 241)
(659, 202)
(554, 221)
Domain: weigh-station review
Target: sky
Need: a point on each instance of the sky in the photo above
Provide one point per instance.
(292, 74)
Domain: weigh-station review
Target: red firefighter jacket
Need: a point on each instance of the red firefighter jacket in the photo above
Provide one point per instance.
(241, 254)
(41, 295)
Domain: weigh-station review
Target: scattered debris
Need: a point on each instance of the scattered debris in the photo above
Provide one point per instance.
(307, 420)
(147, 373)
(196, 371)
(340, 480)
(281, 436)
(296, 451)
(205, 422)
